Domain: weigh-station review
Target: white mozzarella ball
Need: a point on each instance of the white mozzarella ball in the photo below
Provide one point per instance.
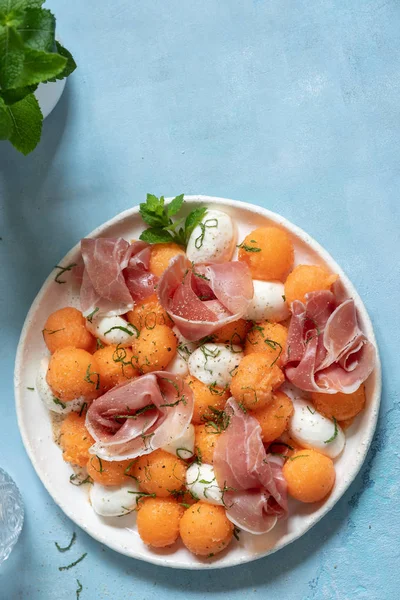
(268, 302)
(312, 430)
(114, 501)
(215, 363)
(47, 396)
(201, 482)
(182, 446)
(213, 240)
(113, 330)
(178, 366)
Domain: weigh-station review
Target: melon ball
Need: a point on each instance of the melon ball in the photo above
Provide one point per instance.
(307, 278)
(341, 406)
(158, 521)
(274, 417)
(207, 400)
(115, 366)
(161, 256)
(309, 475)
(255, 380)
(73, 373)
(206, 437)
(148, 313)
(67, 327)
(205, 529)
(160, 473)
(110, 472)
(269, 339)
(269, 253)
(232, 333)
(154, 348)
(75, 440)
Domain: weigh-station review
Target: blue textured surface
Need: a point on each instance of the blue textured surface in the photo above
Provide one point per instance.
(292, 105)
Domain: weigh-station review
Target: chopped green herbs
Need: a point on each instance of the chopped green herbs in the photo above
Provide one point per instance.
(210, 223)
(79, 589)
(299, 456)
(236, 532)
(183, 453)
(73, 564)
(141, 495)
(58, 401)
(30, 389)
(100, 469)
(331, 439)
(99, 344)
(91, 315)
(62, 271)
(125, 329)
(52, 331)
(75, 480)
(83, 407)
(60, 549)
(248, 248)
(311, 411)
(88, 376)
(219, 421)
(162, 228)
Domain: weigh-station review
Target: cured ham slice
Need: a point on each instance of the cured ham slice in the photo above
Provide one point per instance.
(115, 274)
(326, 349)
(140, 416)
(254, 489)
(201, 300)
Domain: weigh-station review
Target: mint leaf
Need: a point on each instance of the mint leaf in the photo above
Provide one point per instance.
(8, 6)
(37, 29)
(11, 57)
(152, 212)
(69, 67)
(6, 124)
(175, 205)
(193, 219)
(156, 236)
(39, 66)
(13, 96)
(27, 124)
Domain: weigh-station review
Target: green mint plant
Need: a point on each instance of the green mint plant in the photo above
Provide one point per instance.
(29, 55)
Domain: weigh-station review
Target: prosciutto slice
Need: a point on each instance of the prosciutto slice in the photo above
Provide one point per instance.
(140, 416)
(254, 487)
(115, 274)
(202, 299)
(326, 349)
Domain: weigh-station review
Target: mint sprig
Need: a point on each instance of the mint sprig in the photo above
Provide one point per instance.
(162, 228)
(29, 55)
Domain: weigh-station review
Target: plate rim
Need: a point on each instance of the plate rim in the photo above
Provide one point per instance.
(377, 392)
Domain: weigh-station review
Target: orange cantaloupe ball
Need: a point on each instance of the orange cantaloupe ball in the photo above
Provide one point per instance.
(161, 256)
(106, 472)
(154, 348)
(160, 473)
(341, 406)
(148, 313)
(75, 440)
(232, 333)
(73, 373)
(307, 278)
(67, 327)
(269, 339)
(274, 417)
(269, 252)
(158, 521)
(206, 399)
(346, 423)
(205, 529)
(115, 366)
(309, 475)
(205, 440)
(255, 380)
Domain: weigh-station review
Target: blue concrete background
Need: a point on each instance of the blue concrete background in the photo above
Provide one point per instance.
(292, 105)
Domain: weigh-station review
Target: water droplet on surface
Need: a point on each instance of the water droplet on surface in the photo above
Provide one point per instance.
(11, 515)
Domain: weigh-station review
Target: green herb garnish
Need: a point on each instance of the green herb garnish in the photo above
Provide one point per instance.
(209, 224)
(299, 456)
(80, 482)
(88, 375)
(100, 469)
(248, 248)
(180, 450)
(125, 329)
(72, 564)
(79, 589)
(62, 271)
(84, 405)
(30, 389)
(91, 315)
(311, 411)
(60, 549)
(51, 331)
(58, 401)
(236, 532)
(162, 228)
(331, 439)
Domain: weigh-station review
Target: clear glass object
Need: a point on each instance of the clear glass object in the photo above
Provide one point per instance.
(11, 515)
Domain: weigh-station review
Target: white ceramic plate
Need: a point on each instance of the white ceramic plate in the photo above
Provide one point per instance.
(120, 533)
